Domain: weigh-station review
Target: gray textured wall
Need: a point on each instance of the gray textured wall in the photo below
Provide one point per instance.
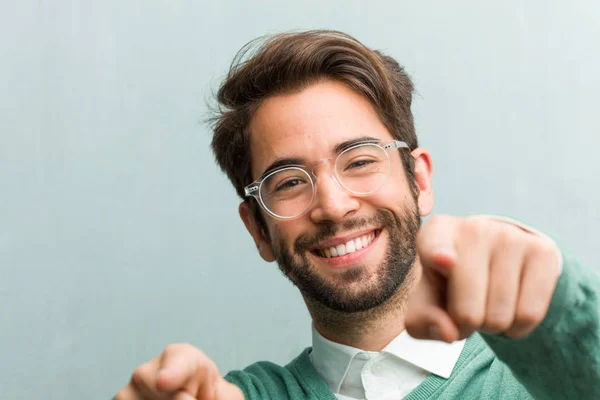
(118, 235)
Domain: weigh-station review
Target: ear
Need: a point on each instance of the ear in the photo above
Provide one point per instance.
(423, 176)
(262, 244)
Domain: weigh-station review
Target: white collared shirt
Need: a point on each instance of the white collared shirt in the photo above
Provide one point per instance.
(392, 373)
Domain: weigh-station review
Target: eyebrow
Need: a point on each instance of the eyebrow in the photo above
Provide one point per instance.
(282, 162)
(349, 143)
(338, 148)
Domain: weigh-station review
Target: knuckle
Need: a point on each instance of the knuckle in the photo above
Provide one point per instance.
(208, 366)
(543, 248)
(529, 317)
(180, 348)
(436, 222)
(475, 227)
(174, 348)
(500, 322)
(468, 319)
(139, 374)
(439, 219)
(509, 239)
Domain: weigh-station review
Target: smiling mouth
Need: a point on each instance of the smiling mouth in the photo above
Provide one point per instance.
(349, 247)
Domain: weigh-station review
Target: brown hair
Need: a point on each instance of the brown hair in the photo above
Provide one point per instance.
(289, 62)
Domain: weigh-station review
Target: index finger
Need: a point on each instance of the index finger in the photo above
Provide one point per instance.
(425, 316)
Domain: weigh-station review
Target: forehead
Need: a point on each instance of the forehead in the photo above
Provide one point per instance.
(308, 124)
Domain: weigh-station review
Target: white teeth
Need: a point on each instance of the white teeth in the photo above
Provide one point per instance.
(349, 247)
(358, 243)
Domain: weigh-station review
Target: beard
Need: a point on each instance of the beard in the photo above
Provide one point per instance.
(397, 262)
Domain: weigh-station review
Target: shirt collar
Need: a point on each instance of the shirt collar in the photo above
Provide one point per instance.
(433, 356)
(331, 360)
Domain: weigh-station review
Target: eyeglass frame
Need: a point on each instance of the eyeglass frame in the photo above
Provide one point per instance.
(253, 189)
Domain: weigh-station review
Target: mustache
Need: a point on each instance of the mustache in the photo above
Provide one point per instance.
(382, 218)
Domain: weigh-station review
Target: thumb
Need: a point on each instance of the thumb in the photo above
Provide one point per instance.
(426, 317)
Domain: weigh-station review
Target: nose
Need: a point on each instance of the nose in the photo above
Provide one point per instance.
(332, 202)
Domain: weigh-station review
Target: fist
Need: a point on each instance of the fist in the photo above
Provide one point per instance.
(181, 372)
(480, 274)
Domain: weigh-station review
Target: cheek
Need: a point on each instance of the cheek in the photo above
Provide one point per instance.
(387, 200)
(394, 192)
(284, 233)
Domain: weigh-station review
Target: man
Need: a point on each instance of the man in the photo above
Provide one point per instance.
(316, 134)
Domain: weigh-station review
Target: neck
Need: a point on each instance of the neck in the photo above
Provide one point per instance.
(369, 330)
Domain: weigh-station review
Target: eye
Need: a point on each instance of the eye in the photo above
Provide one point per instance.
(359, 164)
(289, 184)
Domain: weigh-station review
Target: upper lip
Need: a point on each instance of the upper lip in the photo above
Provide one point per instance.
(342, 239)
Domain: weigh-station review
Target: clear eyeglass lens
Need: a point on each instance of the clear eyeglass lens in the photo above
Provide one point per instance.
(363, 169)
(287, 192)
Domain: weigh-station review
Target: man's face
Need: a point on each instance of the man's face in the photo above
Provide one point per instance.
(308, 125)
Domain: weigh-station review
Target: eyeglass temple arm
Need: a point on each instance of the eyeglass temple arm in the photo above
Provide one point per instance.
(396, 144)
(250, 189)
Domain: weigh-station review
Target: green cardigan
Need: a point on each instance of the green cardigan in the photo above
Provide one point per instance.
(559, 360)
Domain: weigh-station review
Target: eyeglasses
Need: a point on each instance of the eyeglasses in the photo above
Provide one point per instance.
(288, 192)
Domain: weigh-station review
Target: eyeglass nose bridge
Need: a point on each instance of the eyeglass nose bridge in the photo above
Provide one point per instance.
(328, 161)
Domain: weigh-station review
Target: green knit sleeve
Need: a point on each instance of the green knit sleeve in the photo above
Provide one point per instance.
(296, 381)
(265, 380)
(560, 359)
